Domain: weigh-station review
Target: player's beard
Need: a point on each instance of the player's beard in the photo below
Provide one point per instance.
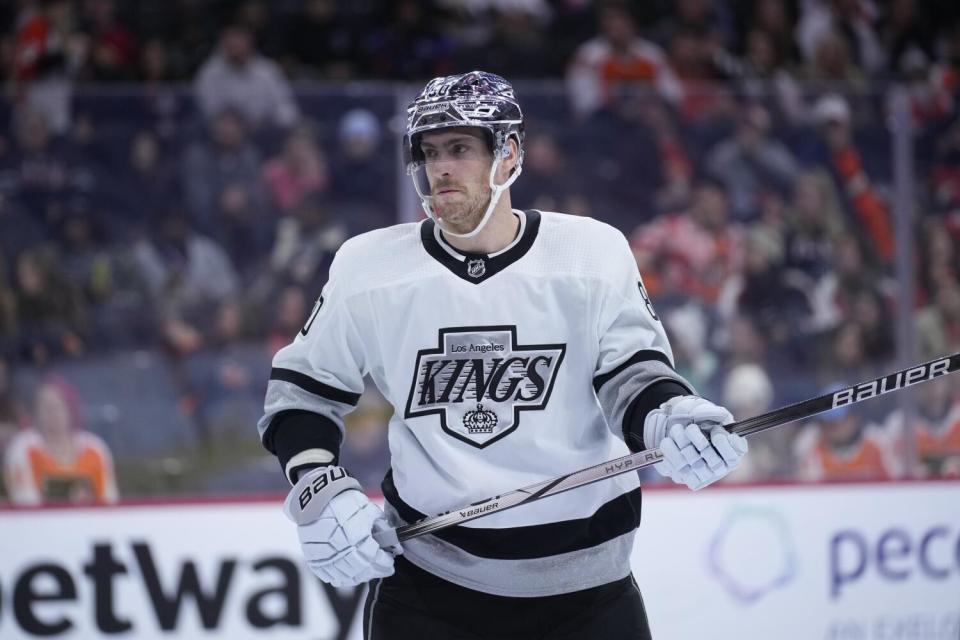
(463, 214)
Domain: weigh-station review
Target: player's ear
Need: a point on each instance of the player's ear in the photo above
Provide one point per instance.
(511, 153)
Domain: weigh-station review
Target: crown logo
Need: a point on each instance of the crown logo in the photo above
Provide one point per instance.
(479, 420)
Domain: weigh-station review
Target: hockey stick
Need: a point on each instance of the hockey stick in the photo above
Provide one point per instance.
(635, 461)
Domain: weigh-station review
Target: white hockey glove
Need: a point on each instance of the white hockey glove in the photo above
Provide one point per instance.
(335, 522)
(679, 428)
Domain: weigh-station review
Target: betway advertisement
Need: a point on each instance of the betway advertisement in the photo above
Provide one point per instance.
(852, 562)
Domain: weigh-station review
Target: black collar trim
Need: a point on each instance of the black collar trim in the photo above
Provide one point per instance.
(477, 267)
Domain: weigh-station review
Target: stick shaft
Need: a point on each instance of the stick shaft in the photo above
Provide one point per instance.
(636, 461)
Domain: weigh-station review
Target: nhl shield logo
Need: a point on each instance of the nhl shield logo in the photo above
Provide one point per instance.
(476, 268)
(479, 380)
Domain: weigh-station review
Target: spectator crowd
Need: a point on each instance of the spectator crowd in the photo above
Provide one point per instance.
(175, 180)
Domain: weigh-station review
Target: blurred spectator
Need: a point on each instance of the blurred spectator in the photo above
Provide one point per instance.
(765, 292)
(750, 163)
(157, 64)
(609, 64)
(870, 310)
(363, 171)
(688, 326)
(937, 325)
(930, 103)
(56, 460)
(288, 317)
(11, 413)
(710, 21)
(834, 292)
(747, 393)
(550, 182)
(245, 228)
(322, 42)
(775, 19)
(113, 48)
(38, 172)
(298, 170)
(693, 57)
(938, 258)
(160, 69)
(903, 32)
(305, 245)
(845, 353)
(934, 429)
(47, 53)
(410, 45)
(84, 261)
(676, 164)
(839, 446)
(51, 314)
(223, 186)
(110, 287)
(832, 115)
(945, 74)
(740, 341)
(764, 74)
(263, 25)
(236, 77)
(690, 253)
(832, 63)
(520, 43)
(226, 379)
(849, 21)
(148, 182)
(814, 222)
(945, 176)
(19, 228)
(187, 274)
(8, 312)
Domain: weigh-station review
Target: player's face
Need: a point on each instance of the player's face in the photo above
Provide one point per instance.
(458, 170)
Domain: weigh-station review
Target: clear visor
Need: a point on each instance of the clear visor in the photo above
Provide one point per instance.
(439, 178)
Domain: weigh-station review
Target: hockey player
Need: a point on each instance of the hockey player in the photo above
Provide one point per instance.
(514, 346)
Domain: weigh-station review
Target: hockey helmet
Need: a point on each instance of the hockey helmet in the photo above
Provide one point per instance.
(475, 99)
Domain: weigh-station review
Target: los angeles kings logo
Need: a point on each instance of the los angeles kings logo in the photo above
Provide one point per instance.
(479, 379)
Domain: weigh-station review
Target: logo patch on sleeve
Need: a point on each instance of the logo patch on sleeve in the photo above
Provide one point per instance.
(479, 380)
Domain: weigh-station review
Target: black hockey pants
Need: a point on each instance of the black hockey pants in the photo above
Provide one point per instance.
(413, 604)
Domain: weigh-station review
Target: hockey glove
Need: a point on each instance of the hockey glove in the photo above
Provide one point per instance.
(335, 522)
(697, 449)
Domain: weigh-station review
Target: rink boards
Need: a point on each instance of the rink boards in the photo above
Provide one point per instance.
(844, 562)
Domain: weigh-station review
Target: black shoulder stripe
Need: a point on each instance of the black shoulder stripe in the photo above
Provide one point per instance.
(315, 387)
(644, 355)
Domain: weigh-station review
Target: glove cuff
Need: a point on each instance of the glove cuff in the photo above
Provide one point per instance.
(314, 490)
(655, 426)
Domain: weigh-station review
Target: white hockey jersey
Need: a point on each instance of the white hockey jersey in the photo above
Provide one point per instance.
(503, 370)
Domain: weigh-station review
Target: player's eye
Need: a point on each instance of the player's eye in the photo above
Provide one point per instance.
(430, 154)
(460, 149)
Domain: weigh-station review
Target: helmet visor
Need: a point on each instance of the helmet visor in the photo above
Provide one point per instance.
(447, 157)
